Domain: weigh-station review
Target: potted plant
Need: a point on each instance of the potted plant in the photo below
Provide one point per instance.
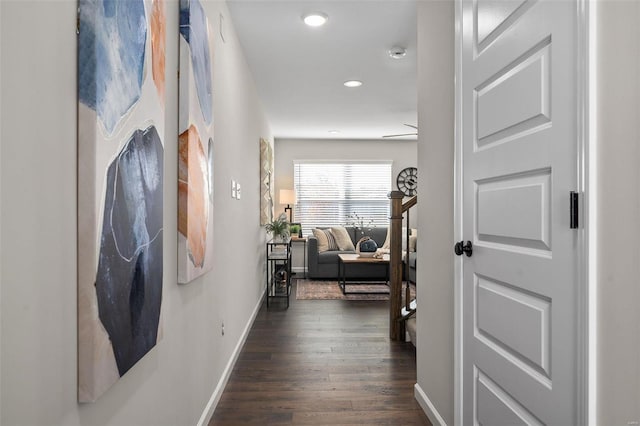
(294, 230)
(279, 227)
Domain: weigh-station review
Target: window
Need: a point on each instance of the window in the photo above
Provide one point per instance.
(328, 192)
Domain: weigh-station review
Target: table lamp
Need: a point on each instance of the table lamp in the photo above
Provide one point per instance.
(288, 197)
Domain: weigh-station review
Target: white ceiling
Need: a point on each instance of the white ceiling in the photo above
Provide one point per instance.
(300, 70)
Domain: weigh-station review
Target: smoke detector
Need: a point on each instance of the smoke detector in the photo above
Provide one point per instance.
(397, 52)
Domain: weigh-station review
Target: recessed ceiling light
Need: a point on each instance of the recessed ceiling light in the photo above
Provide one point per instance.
(334, 132)
(315, 19)
(353, 83)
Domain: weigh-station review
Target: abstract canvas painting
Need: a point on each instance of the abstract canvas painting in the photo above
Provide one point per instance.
(195, 144)
(121, 57)
(266, 184)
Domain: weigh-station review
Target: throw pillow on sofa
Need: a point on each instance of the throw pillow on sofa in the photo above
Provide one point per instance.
(342, 238)
(326, 240)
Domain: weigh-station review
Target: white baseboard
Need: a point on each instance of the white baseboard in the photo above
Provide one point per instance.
(299, 270)
(217, 392)
(428, 407)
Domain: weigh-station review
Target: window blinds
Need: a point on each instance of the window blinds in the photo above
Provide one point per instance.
(329, 192)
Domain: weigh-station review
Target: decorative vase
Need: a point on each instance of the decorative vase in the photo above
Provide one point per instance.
(366, 247)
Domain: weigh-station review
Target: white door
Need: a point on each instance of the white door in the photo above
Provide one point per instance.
(519, 162)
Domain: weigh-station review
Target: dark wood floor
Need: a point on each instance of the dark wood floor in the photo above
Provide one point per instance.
(322, 362)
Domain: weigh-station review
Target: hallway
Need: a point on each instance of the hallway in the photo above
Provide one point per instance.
(322, 362)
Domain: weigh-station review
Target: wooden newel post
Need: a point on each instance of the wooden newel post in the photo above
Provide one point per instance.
(396, 327)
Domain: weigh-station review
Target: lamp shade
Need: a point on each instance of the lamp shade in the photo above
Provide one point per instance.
(287, 196)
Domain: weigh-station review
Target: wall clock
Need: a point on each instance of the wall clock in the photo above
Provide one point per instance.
(407, 181)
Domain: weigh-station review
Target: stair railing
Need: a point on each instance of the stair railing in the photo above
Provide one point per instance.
(398, 209)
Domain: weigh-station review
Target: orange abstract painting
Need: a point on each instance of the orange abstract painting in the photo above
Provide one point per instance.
(193, 194)
(158, 37)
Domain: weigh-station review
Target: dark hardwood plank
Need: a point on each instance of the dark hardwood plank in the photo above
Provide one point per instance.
(411, 417)
(322, 362)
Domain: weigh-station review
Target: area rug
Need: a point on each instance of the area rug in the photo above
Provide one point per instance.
(330, 290)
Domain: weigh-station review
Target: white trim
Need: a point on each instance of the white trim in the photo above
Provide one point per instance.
(428, 407)
(590, 217)
(458, 403)
(299, 270)
(217, 392)
(583, 277)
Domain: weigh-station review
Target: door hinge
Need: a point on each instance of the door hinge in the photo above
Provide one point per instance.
(573, 210)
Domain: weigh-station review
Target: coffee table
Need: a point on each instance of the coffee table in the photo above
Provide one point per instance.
(355, 259)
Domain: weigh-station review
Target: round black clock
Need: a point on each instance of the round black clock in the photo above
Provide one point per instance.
(407, 181)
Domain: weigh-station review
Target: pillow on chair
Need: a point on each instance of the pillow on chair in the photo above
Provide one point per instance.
(414, 233)
(413, 243)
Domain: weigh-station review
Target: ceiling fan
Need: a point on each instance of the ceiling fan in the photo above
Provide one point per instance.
(404, 134)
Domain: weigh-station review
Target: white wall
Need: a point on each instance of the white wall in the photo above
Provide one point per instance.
(618, 211)
(172, 384)
(435, 284)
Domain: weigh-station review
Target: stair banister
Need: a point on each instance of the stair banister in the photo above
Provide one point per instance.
(396, 328)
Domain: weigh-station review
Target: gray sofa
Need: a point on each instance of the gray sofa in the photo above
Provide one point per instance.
(325, 265)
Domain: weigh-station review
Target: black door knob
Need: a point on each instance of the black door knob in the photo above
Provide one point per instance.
(461, 247)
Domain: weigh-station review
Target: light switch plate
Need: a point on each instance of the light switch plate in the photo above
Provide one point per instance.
(233, 189)
(238, 191)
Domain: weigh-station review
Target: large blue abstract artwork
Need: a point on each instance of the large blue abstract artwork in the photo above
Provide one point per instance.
(111, 56)
(195, 144)
(129, 281)
(120, 186)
